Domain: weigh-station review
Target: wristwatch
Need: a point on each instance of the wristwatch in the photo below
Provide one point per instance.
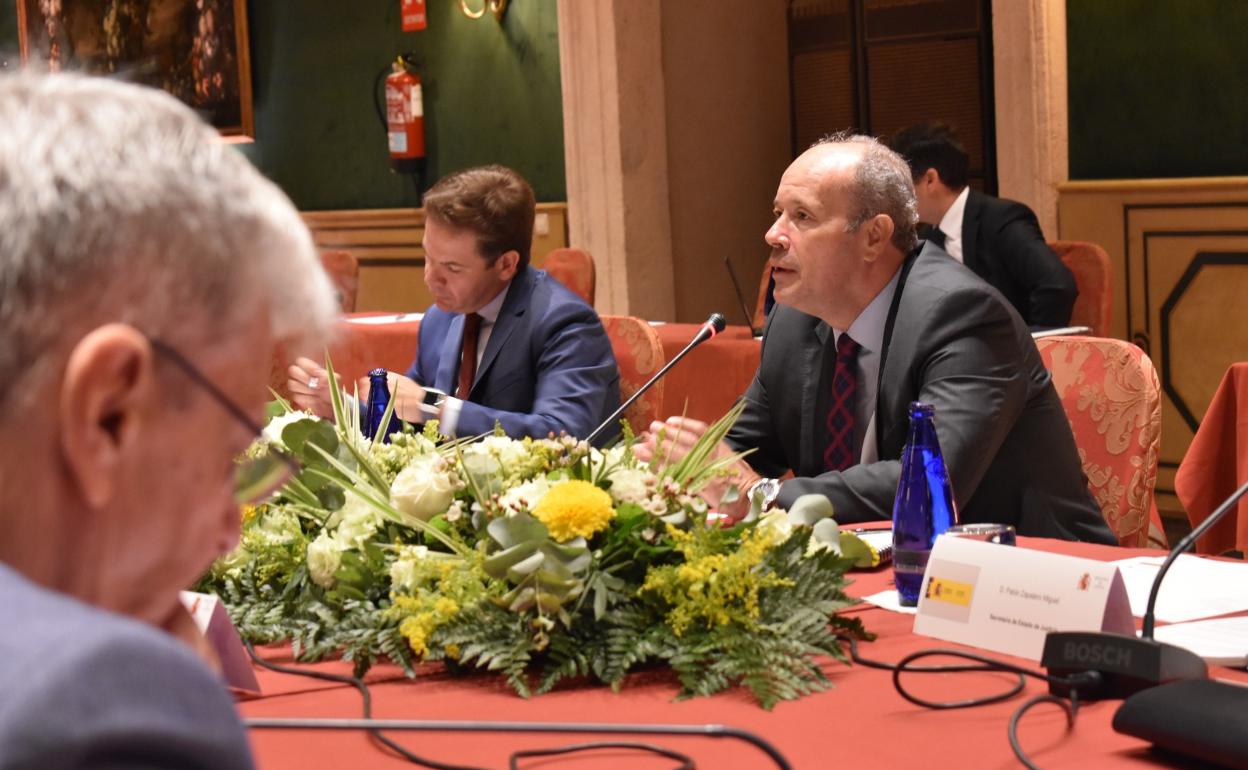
(765, 490)
(432, 402)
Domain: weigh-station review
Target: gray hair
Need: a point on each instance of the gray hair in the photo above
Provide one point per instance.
(881, 185)
(118, 204)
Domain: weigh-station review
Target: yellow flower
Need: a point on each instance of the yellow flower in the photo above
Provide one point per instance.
(574, 508)
(714, 589)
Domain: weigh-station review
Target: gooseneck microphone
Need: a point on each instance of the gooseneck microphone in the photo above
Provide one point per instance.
(1196, 717)
(1187, 542)
(714, 325)
(1127, 664)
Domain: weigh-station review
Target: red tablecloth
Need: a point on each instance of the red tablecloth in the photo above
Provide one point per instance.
(861, 722)
(708, 380)
(1216, 464)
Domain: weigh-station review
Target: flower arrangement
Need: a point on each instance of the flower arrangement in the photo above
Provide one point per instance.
(538, 559)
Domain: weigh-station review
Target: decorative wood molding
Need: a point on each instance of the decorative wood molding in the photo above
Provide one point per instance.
(387, 244)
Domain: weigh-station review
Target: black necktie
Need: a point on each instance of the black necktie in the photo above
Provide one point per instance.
(936, 236)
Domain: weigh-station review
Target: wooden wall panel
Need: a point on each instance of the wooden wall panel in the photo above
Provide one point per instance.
(387, 243)
(1180, 254)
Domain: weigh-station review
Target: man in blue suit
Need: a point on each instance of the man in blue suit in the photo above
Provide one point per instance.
(146, 274)
(504, 343)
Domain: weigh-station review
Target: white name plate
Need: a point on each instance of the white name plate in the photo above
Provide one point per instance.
(1007, 599)
(214, 623)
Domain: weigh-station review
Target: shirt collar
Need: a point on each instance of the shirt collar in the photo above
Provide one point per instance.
(951, 222)
(868, 328)
(489, 313)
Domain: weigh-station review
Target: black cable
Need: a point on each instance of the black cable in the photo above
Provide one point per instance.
(686, 763)
(982, 664)
(367, 698)
(1071, 707)
(1089, 679)
(375, 726)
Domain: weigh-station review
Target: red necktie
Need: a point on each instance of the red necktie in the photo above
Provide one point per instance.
(468, 359)
(839, 453)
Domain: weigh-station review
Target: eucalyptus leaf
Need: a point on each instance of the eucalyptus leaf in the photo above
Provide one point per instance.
(808, 509)
(508, 531)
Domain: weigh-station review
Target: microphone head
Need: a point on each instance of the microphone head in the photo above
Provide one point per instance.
(716, 322)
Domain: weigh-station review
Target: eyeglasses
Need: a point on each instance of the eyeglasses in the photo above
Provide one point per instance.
(256, 478)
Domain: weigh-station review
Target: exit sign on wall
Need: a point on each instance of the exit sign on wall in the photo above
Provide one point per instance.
(413, 15)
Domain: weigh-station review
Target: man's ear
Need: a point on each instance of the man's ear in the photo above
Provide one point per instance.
(931, 176)
(876, 235)
(508, 264)
(107, 381)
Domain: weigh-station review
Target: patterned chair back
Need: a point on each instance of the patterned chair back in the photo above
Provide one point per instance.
(1094, 276)
(639, 354)
(1112, 398)
(344, 273)
(573, 268)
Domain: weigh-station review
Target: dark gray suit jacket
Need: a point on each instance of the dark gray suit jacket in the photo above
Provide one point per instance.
(1003, 244)
(83, 688)
(952, 341)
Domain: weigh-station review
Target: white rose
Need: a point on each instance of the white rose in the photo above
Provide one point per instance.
(419, 492)
(631, 485)
(508, 451)
(403, 571)
(324, 559)
(523, 497)
(273, 431)
(357, 521)
(776, 524)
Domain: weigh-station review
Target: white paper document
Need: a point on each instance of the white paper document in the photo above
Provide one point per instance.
(1193, 588)
(1223, 641)
(889, 600)
(381, 320)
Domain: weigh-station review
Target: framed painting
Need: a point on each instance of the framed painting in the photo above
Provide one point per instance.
(194, 49)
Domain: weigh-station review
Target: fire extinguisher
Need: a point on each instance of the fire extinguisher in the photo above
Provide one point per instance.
(405, 117)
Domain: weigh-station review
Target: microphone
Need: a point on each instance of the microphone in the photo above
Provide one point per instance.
(1127, 664)
(736, 287)
(714, 325)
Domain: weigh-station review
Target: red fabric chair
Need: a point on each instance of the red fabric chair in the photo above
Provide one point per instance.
(639, 354)
(1094, 276)
(1112, 398)
(573, 268)
(344, 272)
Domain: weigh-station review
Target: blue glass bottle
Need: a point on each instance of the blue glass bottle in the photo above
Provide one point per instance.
(378, 400)
(924, 507)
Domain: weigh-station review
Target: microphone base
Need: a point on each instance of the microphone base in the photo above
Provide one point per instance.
(1204, 720)
(1127, 664)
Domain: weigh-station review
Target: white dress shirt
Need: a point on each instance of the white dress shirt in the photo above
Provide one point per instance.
(951, 224)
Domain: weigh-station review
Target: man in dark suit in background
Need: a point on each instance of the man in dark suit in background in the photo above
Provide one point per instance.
(146, 274)
(504, 342)
(869, 319)
(999, 239)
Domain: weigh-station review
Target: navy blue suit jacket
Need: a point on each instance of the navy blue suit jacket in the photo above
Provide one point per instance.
(547, 367)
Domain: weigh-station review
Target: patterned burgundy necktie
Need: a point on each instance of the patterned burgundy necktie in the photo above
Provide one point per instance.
(468, 359)
(839, 453)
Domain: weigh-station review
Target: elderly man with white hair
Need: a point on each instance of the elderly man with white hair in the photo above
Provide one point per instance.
(146, 273)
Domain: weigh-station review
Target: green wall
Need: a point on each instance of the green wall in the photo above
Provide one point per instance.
(491, 95)
(1158, 88)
